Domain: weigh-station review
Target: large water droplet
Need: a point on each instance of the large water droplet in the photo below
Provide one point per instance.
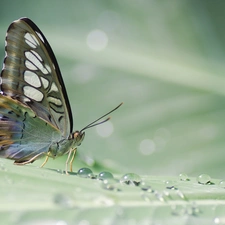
(204, 179)
(222, 183)
(131, 178)
(85, 173)
(105, 175)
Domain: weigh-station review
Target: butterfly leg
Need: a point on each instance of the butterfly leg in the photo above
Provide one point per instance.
(46, 160)
(72, 159)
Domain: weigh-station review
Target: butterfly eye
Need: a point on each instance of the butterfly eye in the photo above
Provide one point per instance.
(78, 136)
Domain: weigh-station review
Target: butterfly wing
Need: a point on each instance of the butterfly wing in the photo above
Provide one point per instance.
(32, 76)
(21, 132)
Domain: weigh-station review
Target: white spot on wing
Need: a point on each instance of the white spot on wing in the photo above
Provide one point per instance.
(33, 93)
(55, 101)
(36, 63)
(30, 66)
(37, 55)
(31, 40)
(40, 36)
(47, 67)
(45, 82)
(53, 87)
(32, 79)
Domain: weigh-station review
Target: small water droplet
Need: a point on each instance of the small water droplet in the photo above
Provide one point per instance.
(131, 178)
(222, 183)
(86, 173)
(63, 200)
(204, 179)
(146, 187)
(111, 185)
(105, 175)
(184, 177)
(171, 184)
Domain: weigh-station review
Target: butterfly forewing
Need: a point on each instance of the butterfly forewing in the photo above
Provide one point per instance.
(31, 75)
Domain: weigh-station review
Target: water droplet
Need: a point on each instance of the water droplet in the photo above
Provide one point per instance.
(171, 184)
(146, 187)
(105, 175)
(131, 178)
(184, 177)
(85, 173)
(111, 185)
(204, 179)
(63, 200)
(222, 183)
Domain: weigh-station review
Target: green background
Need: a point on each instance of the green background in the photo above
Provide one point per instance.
(163, 59)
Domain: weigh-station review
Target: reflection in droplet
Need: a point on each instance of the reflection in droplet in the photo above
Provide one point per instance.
(131, 178)
(97, 40)
(105, 175)
(105, 130)
(184, 177)
(204, 179)
(85, 173)
(147, 146)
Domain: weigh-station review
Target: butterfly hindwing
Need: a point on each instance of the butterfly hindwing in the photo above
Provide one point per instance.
(21, 131)
(32, 76)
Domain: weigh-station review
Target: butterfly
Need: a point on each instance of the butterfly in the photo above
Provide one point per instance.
(35, 113)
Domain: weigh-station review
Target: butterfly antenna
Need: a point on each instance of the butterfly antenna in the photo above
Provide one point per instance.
(96, 123)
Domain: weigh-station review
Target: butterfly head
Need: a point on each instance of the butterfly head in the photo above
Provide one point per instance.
(78, 137)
